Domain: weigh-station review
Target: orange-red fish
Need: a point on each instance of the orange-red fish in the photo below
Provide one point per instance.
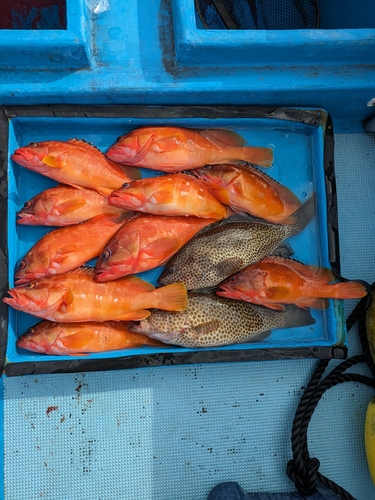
(144, 242)
(246, 189)
(76, 296)
(76, 163)
(64, 205)
(177, 194)
(63, 339)
(275, 281)
(172, 149)
(68, 247)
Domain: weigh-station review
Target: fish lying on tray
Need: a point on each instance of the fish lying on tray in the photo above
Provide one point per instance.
(188, 224)
(172, 149)
(64, 205)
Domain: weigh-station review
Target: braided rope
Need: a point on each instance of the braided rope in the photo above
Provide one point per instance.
(302, 469)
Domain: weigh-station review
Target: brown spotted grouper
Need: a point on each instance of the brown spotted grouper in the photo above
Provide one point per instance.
(210, 321)
(223, 248)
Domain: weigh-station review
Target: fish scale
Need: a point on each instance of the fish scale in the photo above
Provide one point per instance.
(227, 246)
(210, 321)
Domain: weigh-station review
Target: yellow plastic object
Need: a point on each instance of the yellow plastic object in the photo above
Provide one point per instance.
(370, 438)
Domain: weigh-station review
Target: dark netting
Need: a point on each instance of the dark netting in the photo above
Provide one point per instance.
(258, 14)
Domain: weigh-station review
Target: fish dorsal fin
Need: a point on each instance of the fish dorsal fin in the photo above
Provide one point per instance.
(322, 274)
(221, 136)
(83, 270)
(137, 284)
(83, 144)
(228, 220)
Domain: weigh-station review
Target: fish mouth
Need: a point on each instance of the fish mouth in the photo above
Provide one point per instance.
(118, 154)
(22, 278)
(16, 300)
(105, 275)
(27, 219)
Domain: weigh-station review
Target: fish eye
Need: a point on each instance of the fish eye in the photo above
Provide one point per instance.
(30, 286)
(119, 138)
(22, 265)
(27, 204)
(125, 185)
(33, 144)
(106, 254)
(233, 279)
(207, 167)
(31, 331)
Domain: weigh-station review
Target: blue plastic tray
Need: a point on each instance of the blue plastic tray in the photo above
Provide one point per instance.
(298, 139)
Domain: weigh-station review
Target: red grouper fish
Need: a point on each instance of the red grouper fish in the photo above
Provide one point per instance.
(145, 242)
(63, 339)
(75, 297)
(172, 149)
(76, 163)
(246, 189)
(173, 194)
(275, 281)
(68, 247)
(64, 205)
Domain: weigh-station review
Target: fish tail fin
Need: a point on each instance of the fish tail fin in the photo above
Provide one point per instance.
(258, 156)
(348, 290)
(171, 297)
(295, 316)
(302, 216)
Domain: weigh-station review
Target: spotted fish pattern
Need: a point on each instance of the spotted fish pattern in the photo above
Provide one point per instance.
(210, 321)
(223, 248)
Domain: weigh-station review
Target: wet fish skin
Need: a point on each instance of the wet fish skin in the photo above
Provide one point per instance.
(63, 339)
(145, 242)
(68, 247)
(76, 163)
(173, 149)
(275, 281)
(225, 247)
(173, 194)
(64, 205)
(211, 321)
(247, 189)
(75, 297)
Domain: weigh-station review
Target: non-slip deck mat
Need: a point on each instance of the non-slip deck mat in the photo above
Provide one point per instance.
(175, 432)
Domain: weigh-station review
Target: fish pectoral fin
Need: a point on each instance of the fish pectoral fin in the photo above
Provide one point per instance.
(221, 136)
(63, 253)
(163, 246)
(220, 193)
(277, 292)
(305, 303)
(76, 340)
(133, 316)
(70, 206)
(52, 161)
(66, 302)
(169, 143)
(204, 328)
(283, 250)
